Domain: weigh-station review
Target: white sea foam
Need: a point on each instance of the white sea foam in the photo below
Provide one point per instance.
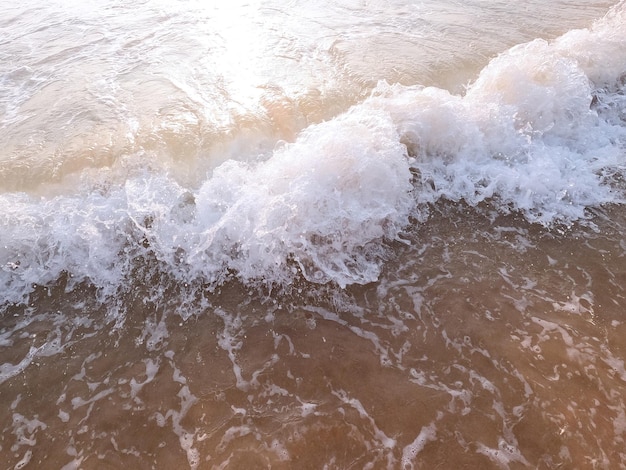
(541, 131)
(186, 438)
(411, 451)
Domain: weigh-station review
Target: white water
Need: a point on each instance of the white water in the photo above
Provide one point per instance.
(540, 130)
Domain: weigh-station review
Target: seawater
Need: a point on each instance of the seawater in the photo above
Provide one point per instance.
(382, 234)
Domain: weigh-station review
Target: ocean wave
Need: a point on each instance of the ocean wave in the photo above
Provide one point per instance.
(541, 131)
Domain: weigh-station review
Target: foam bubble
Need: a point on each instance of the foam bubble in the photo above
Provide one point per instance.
(152, 367)
(504, 455)
(411, 451)
(185, 438)
(24, 461)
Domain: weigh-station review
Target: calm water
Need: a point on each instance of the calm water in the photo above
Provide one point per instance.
(356, 234)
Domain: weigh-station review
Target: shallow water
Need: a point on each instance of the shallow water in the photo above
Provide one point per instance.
(321, 235)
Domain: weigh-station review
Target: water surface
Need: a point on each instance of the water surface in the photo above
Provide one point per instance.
(358, 234)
